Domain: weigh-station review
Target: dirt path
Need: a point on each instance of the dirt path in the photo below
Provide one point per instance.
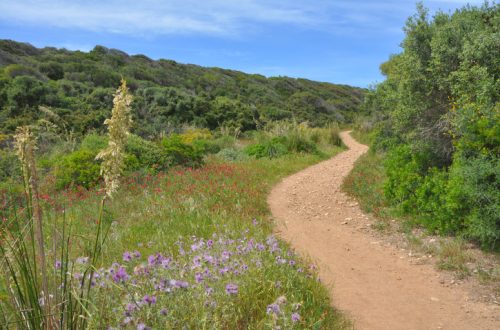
(372, 282)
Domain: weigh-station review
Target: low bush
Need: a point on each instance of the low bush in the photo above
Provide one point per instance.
(149, 155)
(273, 148)
(78, 168)
(180, 152)
(231, 154)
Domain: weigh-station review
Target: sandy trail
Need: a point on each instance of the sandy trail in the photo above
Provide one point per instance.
(372, 282)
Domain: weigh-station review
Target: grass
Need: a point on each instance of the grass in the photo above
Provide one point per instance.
(365, 181)
(244, 279)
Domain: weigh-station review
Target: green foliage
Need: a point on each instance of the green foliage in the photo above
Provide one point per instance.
(79, 86)
(365, 183)
(231, 154)
(272, 148)
(52, 70)
(94, 142)
(148, 154)
(9, 165)
(78, 168)
(181, 153)
(474, 197)
(438, 118)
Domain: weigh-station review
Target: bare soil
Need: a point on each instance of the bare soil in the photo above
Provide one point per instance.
(375, 283)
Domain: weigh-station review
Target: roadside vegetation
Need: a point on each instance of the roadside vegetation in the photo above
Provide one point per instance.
(166, 233)
(433, 128)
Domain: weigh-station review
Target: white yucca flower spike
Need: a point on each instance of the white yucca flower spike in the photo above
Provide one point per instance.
(118, 129)
(25, 145)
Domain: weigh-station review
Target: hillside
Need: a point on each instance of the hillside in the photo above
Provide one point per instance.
(78, 87)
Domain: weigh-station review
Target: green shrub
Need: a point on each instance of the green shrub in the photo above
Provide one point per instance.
(474, 196)
(403, 178)
(432, 208)
(181, 153)
(148, 154)
(9, 165)
(94, 142)
(231, 154)
(332, 135)
(297, 142)
(206, 146)
(272, 148)
(78, 168)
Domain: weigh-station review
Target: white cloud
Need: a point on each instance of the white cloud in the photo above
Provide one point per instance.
(210, 17)
(213, 17)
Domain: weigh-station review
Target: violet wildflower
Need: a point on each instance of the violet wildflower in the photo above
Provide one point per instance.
(210, 243)
(231, 289)
(163, 311)
(291, 262)
(150, 300)
(57, 264)
(273, 309)
(127, 256)
(82, 260)
(198, 277)
(142, 326)
(127, 320)
(209, 290)
(129, 308)
(295, 317)
(120, 275)
(136, 254)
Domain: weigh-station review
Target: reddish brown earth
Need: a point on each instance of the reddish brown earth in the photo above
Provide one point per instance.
(373, 283)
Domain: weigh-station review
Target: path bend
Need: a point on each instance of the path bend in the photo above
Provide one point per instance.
(372, 282)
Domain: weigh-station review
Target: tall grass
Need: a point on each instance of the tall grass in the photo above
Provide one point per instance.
(35, 298)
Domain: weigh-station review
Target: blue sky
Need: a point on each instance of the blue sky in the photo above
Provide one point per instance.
(338, 41)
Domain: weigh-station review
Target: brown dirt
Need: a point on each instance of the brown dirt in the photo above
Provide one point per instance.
(373, 282)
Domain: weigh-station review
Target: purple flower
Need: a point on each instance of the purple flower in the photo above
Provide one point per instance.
(120, 275)
(163, 311)
(295, 317)
(57, 264)
(273, 309)
(127, 256)
(231, 289)
(165, 263)
(198, 277)
(291, 262)
(129, 308)
(209, 290)
(82, 260)
(210, 243)
(150, 300)
(127, 320)
(142, 326)
(255, 222)
(136, 254)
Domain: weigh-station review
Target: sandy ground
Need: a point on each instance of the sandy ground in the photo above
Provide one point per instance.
(374, 283)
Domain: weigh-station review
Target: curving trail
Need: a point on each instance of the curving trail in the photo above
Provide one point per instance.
(373, 283)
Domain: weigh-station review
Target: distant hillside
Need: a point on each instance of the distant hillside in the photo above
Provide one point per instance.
(78, 87)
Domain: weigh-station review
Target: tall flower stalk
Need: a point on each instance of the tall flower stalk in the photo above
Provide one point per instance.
(31, 304)
(25, 145)
(118, 129)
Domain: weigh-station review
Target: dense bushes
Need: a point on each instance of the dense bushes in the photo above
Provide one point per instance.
(78, 168)
(79, 87)
(438, 121)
